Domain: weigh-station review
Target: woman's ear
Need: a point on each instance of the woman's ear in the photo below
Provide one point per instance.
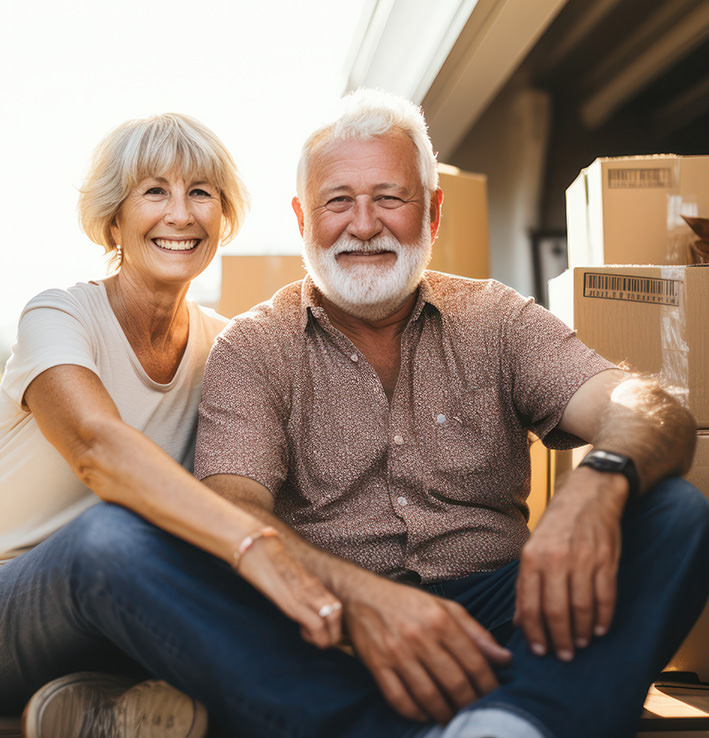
(115, 231)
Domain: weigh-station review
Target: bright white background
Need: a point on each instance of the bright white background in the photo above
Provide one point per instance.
(260, 73)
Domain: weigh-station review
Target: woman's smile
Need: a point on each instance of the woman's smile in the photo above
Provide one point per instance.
(173, 244)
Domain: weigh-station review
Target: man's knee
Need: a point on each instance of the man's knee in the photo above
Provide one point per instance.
(680, 502)
(672, 518)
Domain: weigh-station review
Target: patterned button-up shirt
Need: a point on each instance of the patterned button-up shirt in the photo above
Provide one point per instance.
(431, 486)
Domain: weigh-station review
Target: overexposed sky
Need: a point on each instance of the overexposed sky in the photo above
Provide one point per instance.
(260, 73)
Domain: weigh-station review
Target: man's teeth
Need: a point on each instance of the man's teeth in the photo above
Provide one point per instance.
(164, 243)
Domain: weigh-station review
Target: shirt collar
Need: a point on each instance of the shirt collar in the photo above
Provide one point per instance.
(310, 300)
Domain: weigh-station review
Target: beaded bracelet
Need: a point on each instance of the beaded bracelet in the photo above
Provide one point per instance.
(245, 545)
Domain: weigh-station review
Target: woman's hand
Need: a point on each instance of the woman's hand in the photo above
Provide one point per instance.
(294, 590)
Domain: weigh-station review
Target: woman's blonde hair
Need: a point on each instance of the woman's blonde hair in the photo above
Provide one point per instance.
(154, 146)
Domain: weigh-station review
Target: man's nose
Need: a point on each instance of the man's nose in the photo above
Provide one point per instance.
(364, 222)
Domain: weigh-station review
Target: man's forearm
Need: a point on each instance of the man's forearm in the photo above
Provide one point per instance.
(645, 423)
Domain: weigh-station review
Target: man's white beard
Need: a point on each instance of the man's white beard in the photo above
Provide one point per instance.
(368, 291)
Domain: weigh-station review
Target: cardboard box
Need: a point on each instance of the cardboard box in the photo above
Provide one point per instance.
(541, 483)
(654, 319)
(627, 210)
(693, 654)
(250, 279)
(463, 243)
(462, 247)
(548, 466)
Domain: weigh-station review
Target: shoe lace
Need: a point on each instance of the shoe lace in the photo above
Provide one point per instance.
(100, 721)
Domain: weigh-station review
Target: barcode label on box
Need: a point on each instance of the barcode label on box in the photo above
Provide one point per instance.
(632, 289)
(650, 177)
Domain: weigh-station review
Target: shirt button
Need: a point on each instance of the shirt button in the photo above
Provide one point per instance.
(398, 440)
(440, 418)
(354, 358)
(402, 501)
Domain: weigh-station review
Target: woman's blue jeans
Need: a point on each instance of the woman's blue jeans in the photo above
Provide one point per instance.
(109, 591)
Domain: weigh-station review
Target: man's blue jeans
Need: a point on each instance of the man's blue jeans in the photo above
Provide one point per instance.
(110, 591)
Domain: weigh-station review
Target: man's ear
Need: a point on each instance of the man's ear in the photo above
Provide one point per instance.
(298, 209)
(436, 207)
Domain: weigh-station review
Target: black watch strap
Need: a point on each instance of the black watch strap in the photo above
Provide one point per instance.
(614, 463)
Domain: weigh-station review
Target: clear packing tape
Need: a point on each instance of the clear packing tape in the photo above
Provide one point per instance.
(675, 350)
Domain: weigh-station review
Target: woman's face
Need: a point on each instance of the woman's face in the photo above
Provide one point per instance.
(168, 229)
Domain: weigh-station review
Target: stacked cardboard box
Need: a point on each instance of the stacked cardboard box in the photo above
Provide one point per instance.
(651, 318)
(628, 210)
(631, 294)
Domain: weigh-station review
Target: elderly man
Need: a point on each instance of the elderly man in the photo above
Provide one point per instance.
(376, 414)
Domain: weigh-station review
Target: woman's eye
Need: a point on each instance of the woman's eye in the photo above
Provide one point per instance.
(198, 192)
(155, 191)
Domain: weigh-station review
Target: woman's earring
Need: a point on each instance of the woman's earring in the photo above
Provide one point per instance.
(119, 254)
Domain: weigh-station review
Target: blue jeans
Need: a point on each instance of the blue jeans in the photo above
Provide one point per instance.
(110, 591)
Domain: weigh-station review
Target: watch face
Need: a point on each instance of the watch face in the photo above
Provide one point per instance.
(607, 461)
(607, 455)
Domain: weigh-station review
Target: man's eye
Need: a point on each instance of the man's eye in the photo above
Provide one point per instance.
(389, 201)
(339, 204)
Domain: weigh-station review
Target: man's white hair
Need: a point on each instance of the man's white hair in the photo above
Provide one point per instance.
(367, 114)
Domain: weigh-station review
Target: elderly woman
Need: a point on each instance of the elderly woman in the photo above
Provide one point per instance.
(97, 425)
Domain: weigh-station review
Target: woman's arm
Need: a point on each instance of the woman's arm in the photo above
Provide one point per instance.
(121, 465)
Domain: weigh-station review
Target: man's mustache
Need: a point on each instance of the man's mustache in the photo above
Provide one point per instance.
(373, 246)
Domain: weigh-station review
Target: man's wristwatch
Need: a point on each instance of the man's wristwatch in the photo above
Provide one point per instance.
(610, 461)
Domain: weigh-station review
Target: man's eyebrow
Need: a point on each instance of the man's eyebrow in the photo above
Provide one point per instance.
(328, 191)
(343, 188)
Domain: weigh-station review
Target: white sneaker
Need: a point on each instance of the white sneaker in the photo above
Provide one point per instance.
(92, 705)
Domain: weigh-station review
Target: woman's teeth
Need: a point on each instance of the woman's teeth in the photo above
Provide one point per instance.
(164, 243)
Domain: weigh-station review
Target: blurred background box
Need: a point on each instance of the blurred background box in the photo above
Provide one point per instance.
(463, 243)
(462, 247)
(693, 655)
(627, 210)
(252, 278)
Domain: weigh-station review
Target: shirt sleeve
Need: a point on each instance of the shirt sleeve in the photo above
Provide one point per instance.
(546, 363)
(243, 413)
(50, 333)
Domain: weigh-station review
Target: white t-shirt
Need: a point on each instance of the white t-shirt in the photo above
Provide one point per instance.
(38, 491)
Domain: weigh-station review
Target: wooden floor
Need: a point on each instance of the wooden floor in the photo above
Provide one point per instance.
(9, 728)
(685, 717)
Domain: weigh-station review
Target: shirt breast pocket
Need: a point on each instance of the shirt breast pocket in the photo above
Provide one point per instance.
(465, 445)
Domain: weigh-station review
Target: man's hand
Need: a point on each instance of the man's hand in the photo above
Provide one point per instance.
(428, 656)
(566, 589)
